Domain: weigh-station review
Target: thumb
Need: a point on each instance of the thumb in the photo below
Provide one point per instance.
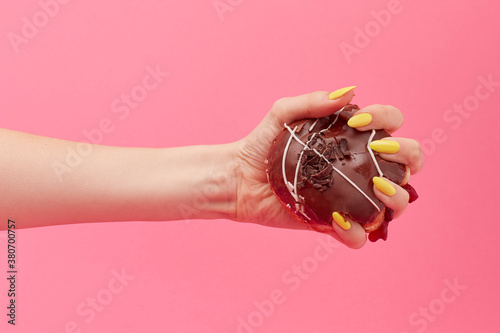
(314, 105)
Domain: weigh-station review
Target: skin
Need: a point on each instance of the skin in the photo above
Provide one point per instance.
(113, 184)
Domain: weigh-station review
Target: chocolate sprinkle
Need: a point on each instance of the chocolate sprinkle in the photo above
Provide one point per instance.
(314, 169)
(326, 167)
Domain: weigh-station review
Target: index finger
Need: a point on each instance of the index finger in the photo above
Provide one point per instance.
(312, 105)
(376, 116)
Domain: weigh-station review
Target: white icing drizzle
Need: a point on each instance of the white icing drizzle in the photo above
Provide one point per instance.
(307, 145)
(287, 183)
(292, 135)
(334, 121)
(290, 189)
(314, 124)
(381, 174)
(298, 163)
(349, 180)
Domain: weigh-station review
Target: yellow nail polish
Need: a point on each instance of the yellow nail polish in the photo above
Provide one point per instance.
(341, 222)
(385, 146)
(360, 120)
(341, 92)
(384, 186)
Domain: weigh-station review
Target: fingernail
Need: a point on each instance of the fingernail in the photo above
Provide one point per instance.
(341, 92)
(384, 186)
(385, 146)
(360, 120)
(341, 222)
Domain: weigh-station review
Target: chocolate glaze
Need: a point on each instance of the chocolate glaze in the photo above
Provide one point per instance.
(320, 189)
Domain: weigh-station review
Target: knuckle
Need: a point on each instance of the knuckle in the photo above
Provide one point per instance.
(279, 107)
(310, 102)
(394, 116)
(377, 108)
(388, 115)
(415, 155)
(400, 202)
(399, 116)
(280, 103)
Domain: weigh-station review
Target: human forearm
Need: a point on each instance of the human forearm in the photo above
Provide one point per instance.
(112, 183)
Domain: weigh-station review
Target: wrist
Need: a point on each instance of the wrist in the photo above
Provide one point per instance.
(216, 194)
(204, 185)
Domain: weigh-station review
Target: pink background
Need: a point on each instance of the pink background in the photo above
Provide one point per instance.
(226, 69)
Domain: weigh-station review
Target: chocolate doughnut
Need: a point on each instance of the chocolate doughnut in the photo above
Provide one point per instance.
(319, 166)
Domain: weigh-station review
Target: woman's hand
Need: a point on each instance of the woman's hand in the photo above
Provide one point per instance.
(46, 181)
(256, 202)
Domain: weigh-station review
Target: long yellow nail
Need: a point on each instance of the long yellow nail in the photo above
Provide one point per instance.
(341, 222)
(341, 92)
(384, 186)
(385, 146)
(360, 120)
